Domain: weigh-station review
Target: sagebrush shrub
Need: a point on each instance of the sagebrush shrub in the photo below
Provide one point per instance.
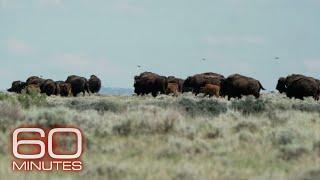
(203, 107)
(249, 105)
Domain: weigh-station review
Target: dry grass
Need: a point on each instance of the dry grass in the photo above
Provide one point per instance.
(177, 138)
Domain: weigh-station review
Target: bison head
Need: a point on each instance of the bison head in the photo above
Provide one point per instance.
(281, 86)
(17, 87)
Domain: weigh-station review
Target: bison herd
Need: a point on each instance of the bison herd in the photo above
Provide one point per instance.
(234, 86)
(209, 83)
(72, 86)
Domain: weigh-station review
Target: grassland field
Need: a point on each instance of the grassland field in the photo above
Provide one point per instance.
(185, 137)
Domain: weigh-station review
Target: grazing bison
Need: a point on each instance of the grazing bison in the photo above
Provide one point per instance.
(49, 87)
(194, 83)
(237, 85)
(78, 85)
(94, 84)
(173, 88)
(149, 82)
(211, 90)
(65, 89)
(17, 87)
(178, 81)
(299, 86)
(35, 80)
(32, 88)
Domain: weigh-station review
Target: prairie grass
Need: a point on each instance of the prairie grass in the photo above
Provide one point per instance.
(185, 137)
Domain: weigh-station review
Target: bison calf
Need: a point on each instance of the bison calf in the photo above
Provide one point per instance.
(65, 89)
(33, 88)
(172, 88)
(211, 90)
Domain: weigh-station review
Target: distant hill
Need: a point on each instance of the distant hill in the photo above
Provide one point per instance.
(116, 91)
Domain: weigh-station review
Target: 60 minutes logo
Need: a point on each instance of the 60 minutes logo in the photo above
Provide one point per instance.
(42, 149)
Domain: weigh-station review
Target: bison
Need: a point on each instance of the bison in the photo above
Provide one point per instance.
(17, 87)
(284, 82)
(35, 80)
(299, 86)
(65, 89)
(237, 85)
(49, 87)
(211, 90)
(94, 84)
(32, 88)
(195, 82)
(172, 88)
(149, 82)
(78, 85)
(178, 81)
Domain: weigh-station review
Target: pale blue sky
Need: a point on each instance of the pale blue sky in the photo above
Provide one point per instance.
(55, 38)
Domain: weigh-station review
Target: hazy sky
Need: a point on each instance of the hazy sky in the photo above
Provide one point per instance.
(56, 38)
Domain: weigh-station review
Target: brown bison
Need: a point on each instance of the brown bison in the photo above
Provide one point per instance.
(64, 89)
(94, 84)
(211, 90)
(35, 80)
(49, 87)
(173, 88)
(32, 88)
(299, 86)
(284, 82)
(237, 85)
(78, 85)
(17, 87)
(194, 83)
(149, 82)
(172, 79)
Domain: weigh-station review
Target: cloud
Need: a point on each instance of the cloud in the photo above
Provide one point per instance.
(234, 40)
(312, 65)
(17, 47)
(126, 7)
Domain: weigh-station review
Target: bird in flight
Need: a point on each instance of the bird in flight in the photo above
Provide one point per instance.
(203, 59)
(139, 66)
(276, 58)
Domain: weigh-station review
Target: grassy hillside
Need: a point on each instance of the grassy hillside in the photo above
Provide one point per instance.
(176, 138)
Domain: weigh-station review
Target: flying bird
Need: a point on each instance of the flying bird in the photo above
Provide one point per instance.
(203, 59)
(276, 58)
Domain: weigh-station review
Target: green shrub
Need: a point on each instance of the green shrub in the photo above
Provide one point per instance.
(4, 96)
(204, 107)
(249, 105)
(32, 99)
(306, 107)
(100, 106)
